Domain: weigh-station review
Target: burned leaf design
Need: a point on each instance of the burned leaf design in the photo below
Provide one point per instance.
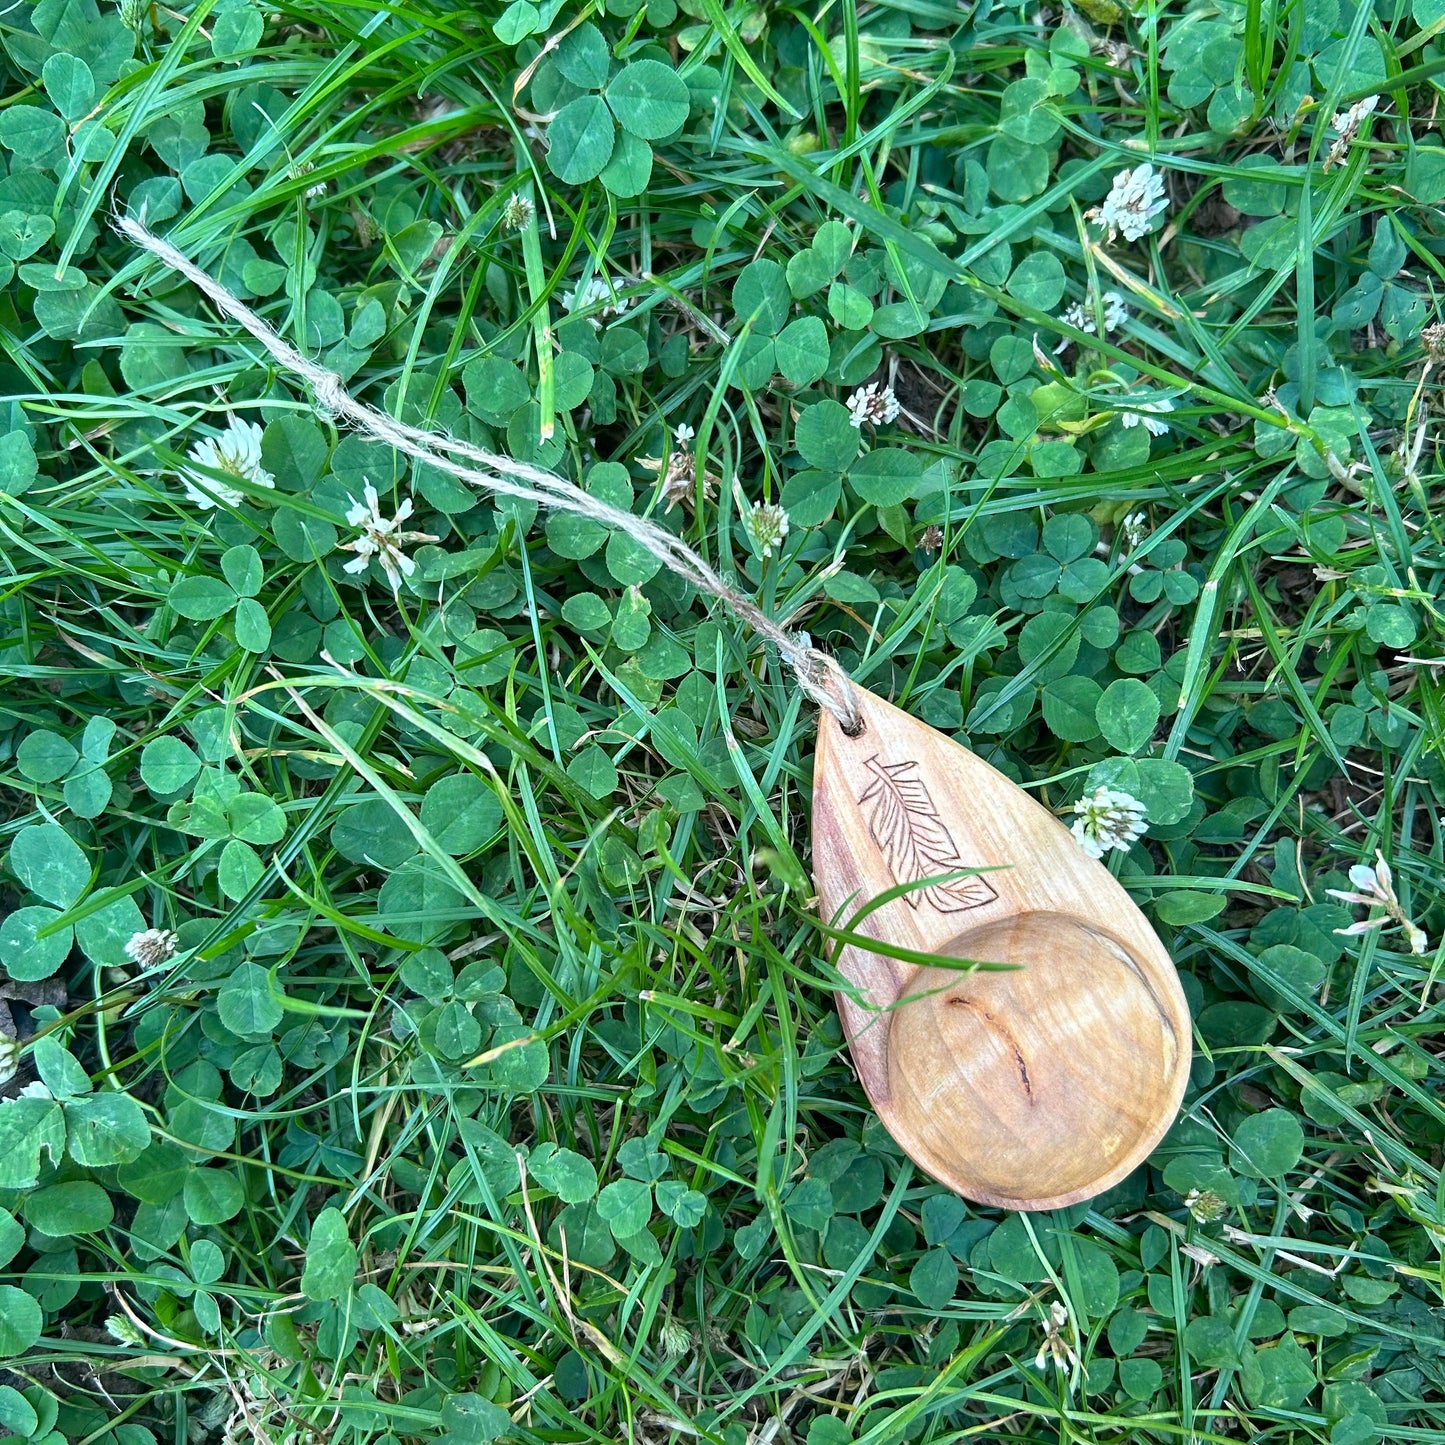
(914, 840)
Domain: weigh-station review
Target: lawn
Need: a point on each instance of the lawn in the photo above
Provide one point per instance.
(416, 1021)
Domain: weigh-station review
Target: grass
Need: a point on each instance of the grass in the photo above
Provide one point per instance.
(494, 1087)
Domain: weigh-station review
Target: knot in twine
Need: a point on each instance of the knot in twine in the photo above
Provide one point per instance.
(818, 675)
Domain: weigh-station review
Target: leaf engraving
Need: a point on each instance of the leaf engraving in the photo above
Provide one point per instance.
(914, 840)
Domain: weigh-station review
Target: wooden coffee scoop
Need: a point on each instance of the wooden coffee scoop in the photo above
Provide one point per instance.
(1031, 1087)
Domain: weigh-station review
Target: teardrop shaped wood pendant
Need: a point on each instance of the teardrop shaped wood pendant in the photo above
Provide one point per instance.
(1027, 1088)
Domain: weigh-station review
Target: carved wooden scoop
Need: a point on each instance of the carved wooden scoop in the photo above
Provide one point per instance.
(1030, 1088)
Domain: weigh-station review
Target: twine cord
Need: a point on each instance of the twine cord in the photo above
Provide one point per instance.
(819, 676)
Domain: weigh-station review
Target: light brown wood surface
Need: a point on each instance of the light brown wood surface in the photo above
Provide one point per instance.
(1028, 1088)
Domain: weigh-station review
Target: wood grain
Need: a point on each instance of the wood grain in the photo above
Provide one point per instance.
(1031, 1087)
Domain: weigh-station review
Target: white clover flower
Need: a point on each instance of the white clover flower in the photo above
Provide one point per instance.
(679, 478)
(1134, 200)
(1134, 527)
(1346, 125)
(1147, 414)
(1058, 1345)
(676, 1340)
(1375, 888)
(304, 168)
(596, 292)
(1347, 122)
(9, 1058)
(1080, 319)
(1205, 1205)
(381, 538)
(517, 214)
(37, 1090)
(766, 524)
(152, 947)
(121, 1330)
(237, 453)
(874, 403)
(1108, 818)
(679, 474)
(1377, 883)
(1080, 316)
(1116, 311)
